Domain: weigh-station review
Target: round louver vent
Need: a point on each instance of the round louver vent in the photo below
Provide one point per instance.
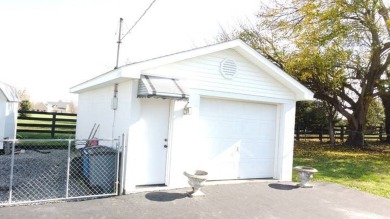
(228, 68)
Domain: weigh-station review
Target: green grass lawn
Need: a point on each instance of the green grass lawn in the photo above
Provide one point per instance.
(32, 135)
(366, 169)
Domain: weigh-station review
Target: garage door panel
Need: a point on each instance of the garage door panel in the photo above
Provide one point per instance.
(256, 168)
(235, 128)
(247, 128)
(215, 148)
(267, 131)
(240, 138)
(222, 170)
(221, 157)
(256, 149)
(212, 128)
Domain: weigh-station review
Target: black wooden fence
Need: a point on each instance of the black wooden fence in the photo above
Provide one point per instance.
(321, 133)
(46, 122)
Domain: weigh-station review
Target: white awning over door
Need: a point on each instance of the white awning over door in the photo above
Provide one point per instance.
(160, 87)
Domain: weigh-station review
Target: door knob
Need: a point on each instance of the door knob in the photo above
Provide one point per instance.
(165, 146)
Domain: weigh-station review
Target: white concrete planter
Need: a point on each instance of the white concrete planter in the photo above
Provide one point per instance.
(304, 175)
(196, 179)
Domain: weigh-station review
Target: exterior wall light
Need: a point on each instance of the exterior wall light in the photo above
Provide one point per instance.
(187, 109)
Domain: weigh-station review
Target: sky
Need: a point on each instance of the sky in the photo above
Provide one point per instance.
(48, 46)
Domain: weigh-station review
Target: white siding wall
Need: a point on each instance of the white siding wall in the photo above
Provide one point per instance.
(11, 114)
(122, 115)
(203, 73)
(95, 107)
(8, 118)
(3, 103)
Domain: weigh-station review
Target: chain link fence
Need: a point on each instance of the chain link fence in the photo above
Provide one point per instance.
(50, 170)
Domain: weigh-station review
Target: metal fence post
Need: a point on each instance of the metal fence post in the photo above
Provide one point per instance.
(68, 171)
(11, 177)
(117, 165)
(122, 165)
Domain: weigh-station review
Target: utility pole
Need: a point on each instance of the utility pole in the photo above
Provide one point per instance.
(119, 42)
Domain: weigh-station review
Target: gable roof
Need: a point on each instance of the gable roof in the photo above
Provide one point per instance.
(9, 92)
(133, 71)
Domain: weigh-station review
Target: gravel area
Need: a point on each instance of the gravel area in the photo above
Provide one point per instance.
(29, 164)
(40, 175)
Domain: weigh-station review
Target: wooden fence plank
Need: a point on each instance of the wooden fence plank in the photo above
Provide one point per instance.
(47, 122)
(341, 133)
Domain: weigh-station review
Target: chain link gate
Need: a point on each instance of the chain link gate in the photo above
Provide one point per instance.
(52, 170)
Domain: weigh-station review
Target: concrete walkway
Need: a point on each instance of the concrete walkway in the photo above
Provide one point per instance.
(246, 200)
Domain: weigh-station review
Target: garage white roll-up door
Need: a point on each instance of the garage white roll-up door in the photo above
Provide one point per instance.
(237, 138)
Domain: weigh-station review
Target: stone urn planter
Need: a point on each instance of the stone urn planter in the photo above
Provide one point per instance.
(304, 175)
(196, 179)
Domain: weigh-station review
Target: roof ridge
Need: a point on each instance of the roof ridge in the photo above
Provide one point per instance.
(172, 54)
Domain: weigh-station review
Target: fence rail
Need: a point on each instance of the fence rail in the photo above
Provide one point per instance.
(341, 133)
(46, 122)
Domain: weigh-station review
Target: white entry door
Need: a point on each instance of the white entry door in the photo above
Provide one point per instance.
(238, 138)
(152, 141)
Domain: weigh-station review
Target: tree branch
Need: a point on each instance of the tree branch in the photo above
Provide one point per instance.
(386, 46)
(337, 105)
(384, 12)
(350, 87)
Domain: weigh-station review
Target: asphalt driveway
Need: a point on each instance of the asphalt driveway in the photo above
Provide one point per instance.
(256, 199)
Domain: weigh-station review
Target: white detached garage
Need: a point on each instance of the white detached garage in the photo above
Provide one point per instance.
(222, 108)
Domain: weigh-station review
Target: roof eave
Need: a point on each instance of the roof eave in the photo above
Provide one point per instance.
(110, 77)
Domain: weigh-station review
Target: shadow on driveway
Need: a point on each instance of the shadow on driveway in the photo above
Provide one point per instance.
(282, 186)
(164, 196)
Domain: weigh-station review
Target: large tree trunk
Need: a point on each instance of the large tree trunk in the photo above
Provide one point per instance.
(386, 105)
(356, 124)
(356, 133)
(355, 138)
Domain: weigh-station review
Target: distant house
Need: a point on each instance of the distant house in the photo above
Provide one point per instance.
(9, 102)
(59, 107)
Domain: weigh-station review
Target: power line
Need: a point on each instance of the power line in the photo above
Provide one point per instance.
(120, 27)
(147, 9)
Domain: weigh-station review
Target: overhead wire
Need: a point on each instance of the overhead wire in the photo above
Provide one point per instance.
(143, 14)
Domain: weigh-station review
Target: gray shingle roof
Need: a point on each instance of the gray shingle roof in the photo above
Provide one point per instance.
(9, 92)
